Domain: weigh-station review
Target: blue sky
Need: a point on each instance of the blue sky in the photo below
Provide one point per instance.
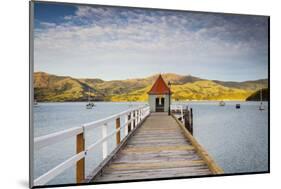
(120, 43)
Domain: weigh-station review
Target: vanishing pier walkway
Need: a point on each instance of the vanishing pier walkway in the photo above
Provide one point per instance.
(154, 145)
(158, 149)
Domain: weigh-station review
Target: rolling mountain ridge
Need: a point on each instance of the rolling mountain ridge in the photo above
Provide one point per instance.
(53, 88)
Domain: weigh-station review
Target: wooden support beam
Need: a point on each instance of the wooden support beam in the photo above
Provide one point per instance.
(118, 132)
(80, 165)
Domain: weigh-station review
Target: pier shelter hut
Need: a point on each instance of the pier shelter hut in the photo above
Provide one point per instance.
(159, 96)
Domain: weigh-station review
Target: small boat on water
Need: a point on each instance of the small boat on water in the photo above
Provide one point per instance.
(35, 103)
(237, 106)
(222, 103)
(90, 104)
(261, 107)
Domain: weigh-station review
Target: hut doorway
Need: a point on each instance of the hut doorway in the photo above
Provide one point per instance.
(160, 101)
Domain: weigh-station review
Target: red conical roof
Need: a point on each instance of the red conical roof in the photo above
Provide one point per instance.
(159, 87)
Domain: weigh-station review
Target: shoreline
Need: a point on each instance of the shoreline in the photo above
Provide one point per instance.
(174, 102)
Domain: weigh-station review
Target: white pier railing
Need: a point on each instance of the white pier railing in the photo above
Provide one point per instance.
(184, 114)
(177, 108)
(133, 118)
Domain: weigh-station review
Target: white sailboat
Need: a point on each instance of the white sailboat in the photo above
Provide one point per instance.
(90, 104)
(35, 103)
(261, 107)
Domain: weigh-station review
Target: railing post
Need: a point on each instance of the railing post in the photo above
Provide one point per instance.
(80, 165)
(126, 125)
(138, 117)
(191, 121)
(181, 114)
(118, 132)
(130, 123)
(186, 119)
(133, 120)
(104, 144)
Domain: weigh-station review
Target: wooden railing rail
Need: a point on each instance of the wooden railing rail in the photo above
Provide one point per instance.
(132, 119)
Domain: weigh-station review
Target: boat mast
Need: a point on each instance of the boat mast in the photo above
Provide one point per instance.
(89, 95)
(261, 95)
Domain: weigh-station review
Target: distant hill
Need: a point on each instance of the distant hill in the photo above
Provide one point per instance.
(246, 85)
(257, 95)
(48, 87)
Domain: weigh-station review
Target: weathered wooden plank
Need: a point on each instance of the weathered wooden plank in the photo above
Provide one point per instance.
(150, 174)
(157, 159)
(150, 141)
(156, 144)
(157, 137)
(175, 169)
(160, 154)
(146, 156)
(157, 173)
(157, 149)
(156, 165)
(164, 129)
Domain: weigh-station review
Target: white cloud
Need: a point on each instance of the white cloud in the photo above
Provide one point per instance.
(94, 34)
(47, 24)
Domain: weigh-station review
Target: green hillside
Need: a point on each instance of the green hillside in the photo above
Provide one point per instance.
(54, 88)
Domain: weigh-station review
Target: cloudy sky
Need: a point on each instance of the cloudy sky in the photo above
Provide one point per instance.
(120, 43)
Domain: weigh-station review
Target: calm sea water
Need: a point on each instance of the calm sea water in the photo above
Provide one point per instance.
(236, 138)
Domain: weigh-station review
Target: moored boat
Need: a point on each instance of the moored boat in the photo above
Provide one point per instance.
(261, 107)
(90, 104)
(222, 103)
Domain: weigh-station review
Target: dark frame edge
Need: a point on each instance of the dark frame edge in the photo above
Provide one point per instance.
(268, 64)
(31, 99)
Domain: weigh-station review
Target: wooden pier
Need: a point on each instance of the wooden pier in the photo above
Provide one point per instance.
(155, 146)
(158, 149)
